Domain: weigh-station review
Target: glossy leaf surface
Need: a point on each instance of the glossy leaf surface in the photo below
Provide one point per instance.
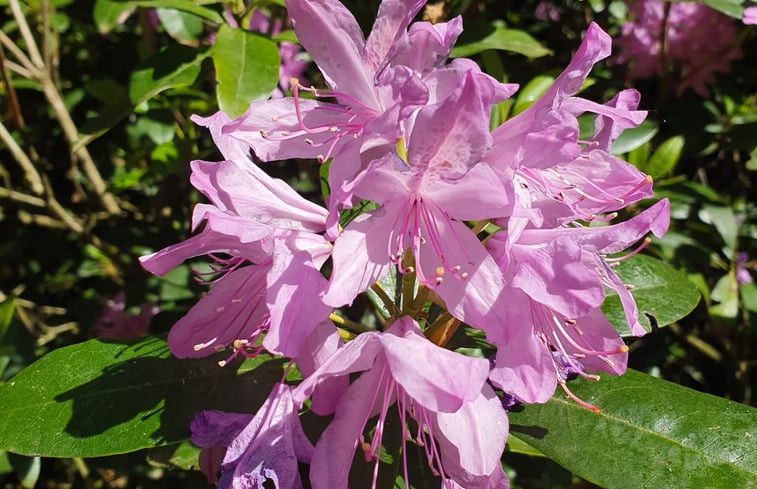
(663, 294)
(247, 68)
(671, 436)
(105, 397)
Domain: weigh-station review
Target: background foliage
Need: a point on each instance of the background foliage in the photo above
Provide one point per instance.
(96, 141)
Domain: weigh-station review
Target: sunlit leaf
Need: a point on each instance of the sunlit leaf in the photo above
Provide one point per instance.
(650, 433)
(247, 68)
(663, 294)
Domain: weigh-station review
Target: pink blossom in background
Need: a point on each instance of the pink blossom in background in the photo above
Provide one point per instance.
(750, 15)
(700, 42)
(547, 11)
(117, 322)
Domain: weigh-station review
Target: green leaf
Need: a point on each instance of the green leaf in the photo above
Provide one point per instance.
(650, 434)
(175, 66)
(724, 220)
(665, 158)
(663, 294)
(503, 39)
(631, 139)
(182, 26)
(185, 6)
(182, 456)
(532, 91)
(726, 292)
(247, 68)
(106, 397)
(6, 314)
(108, 14)
(734, 8)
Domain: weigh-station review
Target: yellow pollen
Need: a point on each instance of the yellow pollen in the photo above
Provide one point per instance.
(439, 271)
(623, 349)
(401, 149)
(294, 82)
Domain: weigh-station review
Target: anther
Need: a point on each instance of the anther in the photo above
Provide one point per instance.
(309, 141)
(263, 134)
(464, 275)
(320, 158)
(629, 286)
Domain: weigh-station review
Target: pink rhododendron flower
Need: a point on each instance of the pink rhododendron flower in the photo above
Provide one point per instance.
(750, 16)
(262, 449)
(461, 423)
(271, 282)
(699, 40)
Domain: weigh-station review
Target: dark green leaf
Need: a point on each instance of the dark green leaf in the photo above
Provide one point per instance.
(663, 294)
(503, 39)
(650, 434)
(247, 68)
(183, 5)
(6, 314)
(665, 158)
(631, 139)
(106, 397)
(177, 456)
(176, 66)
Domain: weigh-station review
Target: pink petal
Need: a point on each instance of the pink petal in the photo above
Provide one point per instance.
(472, 440)
(361, 256)
(391, 23)
(233, 309)
(272, 130)
(329, 32)
(447, 379)
(293, 299)
(560, 275)
(251, 194)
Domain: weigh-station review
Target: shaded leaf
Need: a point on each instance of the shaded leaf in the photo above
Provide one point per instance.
(247, 68)
(663, 294)
(185, 6)
(650, 434)
(665, 158)
(175, 66)
(6, 314)
(105, 397)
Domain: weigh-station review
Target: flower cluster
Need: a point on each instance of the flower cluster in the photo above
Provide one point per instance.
(690, 36)
(505, 231)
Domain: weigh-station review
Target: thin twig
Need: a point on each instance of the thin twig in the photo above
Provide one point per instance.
(30, 172)
(41, 74)
(17, 53)
(18, 69)
(26, 33)
(22, 197)
(60, 212)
